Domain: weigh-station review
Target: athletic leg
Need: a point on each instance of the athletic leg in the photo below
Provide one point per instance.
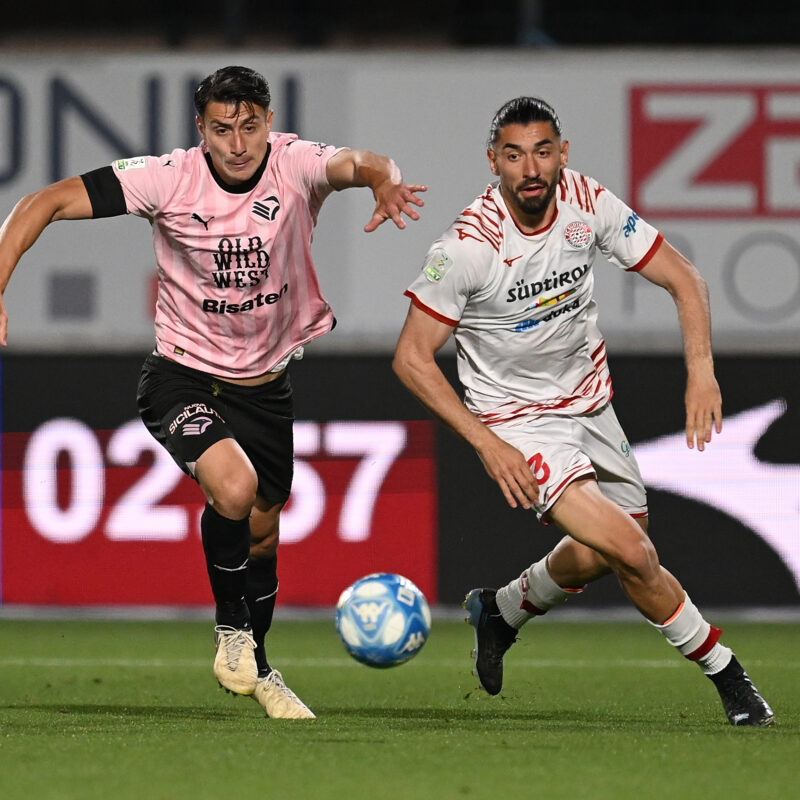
(599, 524)
(551, 581)
(271, 692)
(229, 482)
(262, 574)
(594, 521)
(498, 616)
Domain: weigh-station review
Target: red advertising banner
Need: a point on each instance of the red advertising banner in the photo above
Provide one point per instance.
(106, 518)
(715, 150)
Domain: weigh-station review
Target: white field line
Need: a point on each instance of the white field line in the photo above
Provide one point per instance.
(327, 663)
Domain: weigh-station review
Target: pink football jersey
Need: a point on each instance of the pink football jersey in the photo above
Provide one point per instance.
(237, 289)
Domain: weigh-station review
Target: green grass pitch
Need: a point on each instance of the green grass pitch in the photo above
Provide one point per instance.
(122, 709)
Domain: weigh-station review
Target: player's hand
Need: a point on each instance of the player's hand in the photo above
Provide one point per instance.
(392, 200)
(703, 409)
(508, 468)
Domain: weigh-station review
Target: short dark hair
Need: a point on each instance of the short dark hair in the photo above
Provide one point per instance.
(236, 85)
(523, 111)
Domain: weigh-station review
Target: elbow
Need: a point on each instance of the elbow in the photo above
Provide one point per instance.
(400, 365)
(404, 365)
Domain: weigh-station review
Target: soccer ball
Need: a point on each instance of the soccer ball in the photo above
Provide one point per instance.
(383, 619)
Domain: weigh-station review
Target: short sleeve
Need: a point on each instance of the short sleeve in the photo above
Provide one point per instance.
(451, 274)
(623, 236)
(148, 182)
(306, 164)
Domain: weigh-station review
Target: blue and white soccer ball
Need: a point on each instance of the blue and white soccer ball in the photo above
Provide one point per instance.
(383, 619)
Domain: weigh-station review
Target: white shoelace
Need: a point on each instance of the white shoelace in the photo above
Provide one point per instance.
(234, 642)
(276, 679)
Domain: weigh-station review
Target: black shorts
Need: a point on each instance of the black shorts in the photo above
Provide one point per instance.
(187, 411)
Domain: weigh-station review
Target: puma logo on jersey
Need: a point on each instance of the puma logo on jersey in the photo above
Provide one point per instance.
(203, 222)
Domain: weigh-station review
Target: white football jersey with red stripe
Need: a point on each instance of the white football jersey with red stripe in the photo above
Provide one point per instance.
(237, 289)
(521, 304)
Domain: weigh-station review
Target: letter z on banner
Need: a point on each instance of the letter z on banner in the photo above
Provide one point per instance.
(715, 151)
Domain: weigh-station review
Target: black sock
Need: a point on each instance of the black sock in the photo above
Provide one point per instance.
(261, 593)
(732, 670)
(226, 543)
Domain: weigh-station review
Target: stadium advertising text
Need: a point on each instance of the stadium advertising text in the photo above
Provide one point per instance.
(712, 163)
(78, 499)
(715, 151)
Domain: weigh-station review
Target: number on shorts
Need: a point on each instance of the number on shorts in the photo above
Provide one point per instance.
(539, 467)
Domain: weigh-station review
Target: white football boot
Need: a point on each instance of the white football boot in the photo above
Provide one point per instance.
(235, 663)
(278, 700)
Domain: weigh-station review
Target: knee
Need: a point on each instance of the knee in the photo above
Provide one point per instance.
(637, 558)
(234, 495)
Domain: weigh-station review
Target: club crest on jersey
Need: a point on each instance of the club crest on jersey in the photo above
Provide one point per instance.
(437, 266)
(267, 208)
(578, 235)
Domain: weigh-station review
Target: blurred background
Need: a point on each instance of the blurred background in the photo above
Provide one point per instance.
(413, 24)
(691, 113)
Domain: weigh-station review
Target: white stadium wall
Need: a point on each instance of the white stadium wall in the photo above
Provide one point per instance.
(705, 146)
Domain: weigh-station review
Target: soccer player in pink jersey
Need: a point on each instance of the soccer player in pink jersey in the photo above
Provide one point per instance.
(238, 298)
(512, 280)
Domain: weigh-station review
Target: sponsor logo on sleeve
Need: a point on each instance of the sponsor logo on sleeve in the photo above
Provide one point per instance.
(123, 164)
(629, 228)
(437, 266)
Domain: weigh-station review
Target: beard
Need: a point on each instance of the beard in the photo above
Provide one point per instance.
(534, 205)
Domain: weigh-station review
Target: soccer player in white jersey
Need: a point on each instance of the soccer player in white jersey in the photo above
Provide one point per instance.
(512, 280)
(238, 298)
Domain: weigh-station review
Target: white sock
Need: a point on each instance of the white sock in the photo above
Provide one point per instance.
(696, 639)
(530, 595)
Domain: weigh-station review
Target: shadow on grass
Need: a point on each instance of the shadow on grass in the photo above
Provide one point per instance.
(501, 718)
(487, 717)
(94, 709)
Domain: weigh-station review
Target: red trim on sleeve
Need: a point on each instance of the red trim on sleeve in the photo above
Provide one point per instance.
(648, 255)
(453, 323)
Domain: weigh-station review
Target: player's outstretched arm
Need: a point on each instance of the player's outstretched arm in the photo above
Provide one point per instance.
(415, 365)
(393, 197)
(670, 270)
(66, 199)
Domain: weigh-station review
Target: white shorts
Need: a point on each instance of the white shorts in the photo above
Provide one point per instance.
(561, 449)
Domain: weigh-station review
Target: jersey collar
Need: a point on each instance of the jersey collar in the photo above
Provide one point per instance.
(239, 188)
